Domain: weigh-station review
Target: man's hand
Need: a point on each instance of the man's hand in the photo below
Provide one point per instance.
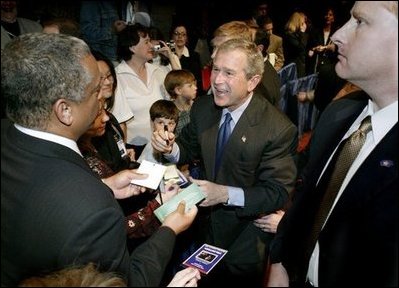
(278, 276)
(131, 154)
(119, 25)
(121, 186)
(185, 278)
(214, 193)
(179, 220)
(269, 222)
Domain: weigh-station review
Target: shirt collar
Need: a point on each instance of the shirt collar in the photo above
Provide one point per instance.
(383, 120)
(185, 52)
(50, 137)
(236, 114)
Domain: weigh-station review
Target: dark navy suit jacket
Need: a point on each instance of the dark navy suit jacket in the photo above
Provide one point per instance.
(55, 213)
(359, 242)
(258, 157)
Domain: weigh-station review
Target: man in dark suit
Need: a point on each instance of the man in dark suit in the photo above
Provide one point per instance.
(54, 211)
(257, 168)
(357, 240)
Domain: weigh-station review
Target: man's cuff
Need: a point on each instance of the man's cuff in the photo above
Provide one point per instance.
(236, 196)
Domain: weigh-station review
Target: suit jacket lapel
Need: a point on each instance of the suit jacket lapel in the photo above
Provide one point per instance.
(334, 122)
(250, 117)
(211, 135)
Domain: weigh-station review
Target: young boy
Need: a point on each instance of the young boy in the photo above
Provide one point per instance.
(182, 88)
(164, 115)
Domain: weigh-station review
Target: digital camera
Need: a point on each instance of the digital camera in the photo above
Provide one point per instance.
(170, 44)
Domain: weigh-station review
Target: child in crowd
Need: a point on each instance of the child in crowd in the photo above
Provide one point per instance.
(182, 88)
(164, 115)
(141, 222)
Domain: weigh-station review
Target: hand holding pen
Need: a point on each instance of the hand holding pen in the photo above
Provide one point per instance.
(165, 128)
(162, 140)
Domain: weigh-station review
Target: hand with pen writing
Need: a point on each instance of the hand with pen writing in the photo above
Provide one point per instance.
(162, 140)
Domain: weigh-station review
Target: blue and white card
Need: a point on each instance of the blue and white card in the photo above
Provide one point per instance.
(205, 258)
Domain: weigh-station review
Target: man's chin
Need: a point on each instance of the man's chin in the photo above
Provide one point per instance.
(219, 101)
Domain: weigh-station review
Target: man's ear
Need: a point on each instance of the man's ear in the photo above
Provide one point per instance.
(260, 48)
(253, 82)
(63, 111)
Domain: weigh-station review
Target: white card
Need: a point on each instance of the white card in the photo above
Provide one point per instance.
(155, 174)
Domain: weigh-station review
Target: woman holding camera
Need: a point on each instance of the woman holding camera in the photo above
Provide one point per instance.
(140, 84)
(164, 55)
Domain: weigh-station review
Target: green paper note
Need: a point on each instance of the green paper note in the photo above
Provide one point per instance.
(192, 195)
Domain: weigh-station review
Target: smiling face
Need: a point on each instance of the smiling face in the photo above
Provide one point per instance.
(230, 85)
(143, 49)
(107, 79)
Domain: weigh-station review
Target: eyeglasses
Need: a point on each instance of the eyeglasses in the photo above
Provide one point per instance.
(109, 77)
(182, 34)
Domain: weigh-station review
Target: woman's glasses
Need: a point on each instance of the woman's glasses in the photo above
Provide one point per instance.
(181, 34)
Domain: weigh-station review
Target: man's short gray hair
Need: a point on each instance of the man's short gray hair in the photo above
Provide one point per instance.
(37, 69)
(255, 63)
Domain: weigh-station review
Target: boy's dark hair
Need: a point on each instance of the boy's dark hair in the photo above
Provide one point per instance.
(176, 78)
(164, 109)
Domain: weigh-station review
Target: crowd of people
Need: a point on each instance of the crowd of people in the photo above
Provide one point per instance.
(87, 100)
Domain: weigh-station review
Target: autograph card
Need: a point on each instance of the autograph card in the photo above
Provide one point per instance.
(155, 174)
(205, 258)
